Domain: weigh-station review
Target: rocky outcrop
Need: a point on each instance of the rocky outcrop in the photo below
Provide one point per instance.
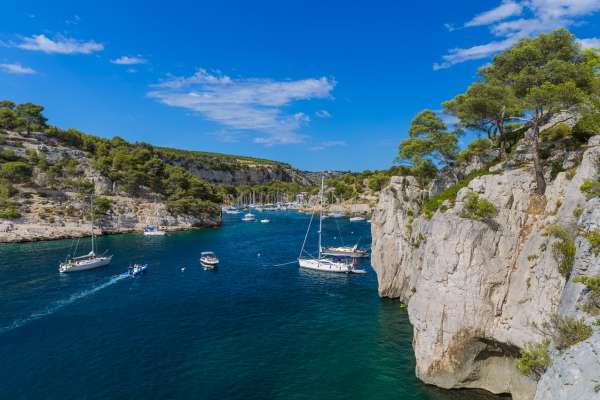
(478, 290)
(574, 374)
(61, 218)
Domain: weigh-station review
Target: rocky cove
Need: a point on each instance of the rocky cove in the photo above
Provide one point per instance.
(479, 291)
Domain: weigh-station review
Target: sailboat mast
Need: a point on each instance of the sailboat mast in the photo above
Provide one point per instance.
(321, 215)
(92, 209)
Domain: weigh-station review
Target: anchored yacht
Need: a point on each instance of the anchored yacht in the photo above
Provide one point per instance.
(88, 261)
(320, 263)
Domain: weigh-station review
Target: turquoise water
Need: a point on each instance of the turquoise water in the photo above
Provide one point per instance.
(249, 330)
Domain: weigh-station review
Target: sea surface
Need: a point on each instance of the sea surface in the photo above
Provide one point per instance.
(255, 328)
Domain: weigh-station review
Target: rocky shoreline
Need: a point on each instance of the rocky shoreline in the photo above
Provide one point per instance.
(126, 215)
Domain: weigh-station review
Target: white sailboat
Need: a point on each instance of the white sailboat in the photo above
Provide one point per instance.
(321, 263)
(88, 261)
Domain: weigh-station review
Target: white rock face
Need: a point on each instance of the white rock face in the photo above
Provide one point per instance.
(477, 292)
(574, 374)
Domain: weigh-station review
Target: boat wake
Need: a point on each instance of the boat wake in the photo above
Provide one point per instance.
(54, 307)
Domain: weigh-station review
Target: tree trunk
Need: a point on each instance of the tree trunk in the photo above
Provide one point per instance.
(537, 161)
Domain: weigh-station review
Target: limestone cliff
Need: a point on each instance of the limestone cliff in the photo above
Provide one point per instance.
(478, 290)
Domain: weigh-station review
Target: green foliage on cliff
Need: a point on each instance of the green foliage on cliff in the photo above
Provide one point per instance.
(557, 132)
(567, 331)
(563, 249)
(591, 188)
(478, 208)
(534, 359)
(591, 282)
(7, 210)
(593, 237)
(102, 205)
(431, 205)
(16, 171)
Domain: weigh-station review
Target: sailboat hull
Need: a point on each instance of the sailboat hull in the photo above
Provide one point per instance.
(85, 264)
(326, 266)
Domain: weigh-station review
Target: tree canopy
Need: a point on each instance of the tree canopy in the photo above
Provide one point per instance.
(430, 143)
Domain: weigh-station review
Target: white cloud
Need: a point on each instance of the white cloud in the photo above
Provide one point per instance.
(126, 60)
(323, 114)
(248, 104)
(505, 10)
(542, 16)
(60, 45)
(17, 69)
(327, 144)
(456, 56)
(590, 43)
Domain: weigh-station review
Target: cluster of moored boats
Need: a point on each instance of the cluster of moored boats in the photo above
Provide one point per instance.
(342, 259)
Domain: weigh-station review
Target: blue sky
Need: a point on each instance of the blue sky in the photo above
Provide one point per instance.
(318, 84)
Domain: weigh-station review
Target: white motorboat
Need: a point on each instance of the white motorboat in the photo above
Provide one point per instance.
(265, 221)
(208, 259)
(357, 219)
(346, 251)
(88, 261)
(249, 217)
(151, 230)
(137, 270)
(321, 263)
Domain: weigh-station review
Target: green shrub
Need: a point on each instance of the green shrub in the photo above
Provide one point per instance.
(591, 188)
(478, 208)
(592, 305)
(593, 237)
(563, 249)
(567, 331)
(534, 359)
(557, 132)
(7, 210)
(102, 206)
(577, 212)
(6, 189)
(16, 171)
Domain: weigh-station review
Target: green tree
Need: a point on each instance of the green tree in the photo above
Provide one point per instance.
(429, 143)
(487, 106)
(7, 104)
(547, 74)
(31, 115)
(8, 119)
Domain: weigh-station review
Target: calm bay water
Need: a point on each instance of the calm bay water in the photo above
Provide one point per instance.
(249, 330)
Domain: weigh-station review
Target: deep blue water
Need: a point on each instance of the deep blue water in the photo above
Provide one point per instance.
(249, 330)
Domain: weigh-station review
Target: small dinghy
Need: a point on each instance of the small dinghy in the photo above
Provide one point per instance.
(137, 269)
(208, 260)
(265, 221)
